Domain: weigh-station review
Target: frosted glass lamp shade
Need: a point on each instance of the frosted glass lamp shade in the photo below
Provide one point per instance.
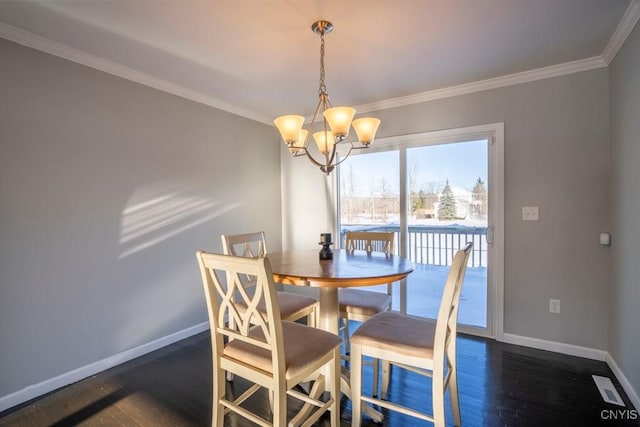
(289, 128)
(324, 141)
(366, 129)
(299, 144)
(339, 119)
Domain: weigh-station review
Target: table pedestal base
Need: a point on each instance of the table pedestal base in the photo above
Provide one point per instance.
(329, 321)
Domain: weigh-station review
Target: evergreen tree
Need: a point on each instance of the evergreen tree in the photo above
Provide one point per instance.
(447, 208)
(479, 199)
(421, 200)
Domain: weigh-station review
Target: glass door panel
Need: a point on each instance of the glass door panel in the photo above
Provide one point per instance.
(370, 200)
(448, 206)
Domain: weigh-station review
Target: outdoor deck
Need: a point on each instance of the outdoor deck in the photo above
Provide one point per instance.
(431, 249)
(424, 290)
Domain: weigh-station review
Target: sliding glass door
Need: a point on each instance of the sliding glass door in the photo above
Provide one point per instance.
(435, 195)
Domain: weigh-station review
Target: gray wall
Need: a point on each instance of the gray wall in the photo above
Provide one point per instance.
(107, 189)
(556, 156)
(624, 331)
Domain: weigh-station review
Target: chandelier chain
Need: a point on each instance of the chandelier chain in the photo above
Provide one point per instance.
(322, 89)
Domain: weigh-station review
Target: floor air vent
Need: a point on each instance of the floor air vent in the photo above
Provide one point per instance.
(607, 390)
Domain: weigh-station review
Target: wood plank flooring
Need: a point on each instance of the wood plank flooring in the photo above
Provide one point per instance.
(500, 385)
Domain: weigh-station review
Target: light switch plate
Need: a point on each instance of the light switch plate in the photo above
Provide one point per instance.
(530, 213)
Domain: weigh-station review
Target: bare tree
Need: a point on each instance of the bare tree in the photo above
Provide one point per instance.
(349, 188)
(385, 195)
(413, 177)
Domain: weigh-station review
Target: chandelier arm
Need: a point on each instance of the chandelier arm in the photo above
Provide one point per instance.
(331, 164)
(315, 117)
(346, 138)
(344, 158)
(314, 161)
(329, 159)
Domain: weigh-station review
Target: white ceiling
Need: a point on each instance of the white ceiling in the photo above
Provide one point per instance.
(260, 59)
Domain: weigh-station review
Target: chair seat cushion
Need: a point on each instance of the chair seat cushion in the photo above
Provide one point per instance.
(289, 304)
(364, 303)
(303, 345)
(398, 333)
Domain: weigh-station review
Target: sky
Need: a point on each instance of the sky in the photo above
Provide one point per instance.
(462, 163)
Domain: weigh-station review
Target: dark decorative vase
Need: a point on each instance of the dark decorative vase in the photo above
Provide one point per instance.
(325, 241)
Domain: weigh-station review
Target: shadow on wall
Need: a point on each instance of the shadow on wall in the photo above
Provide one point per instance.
(154, 215)
(161, 226)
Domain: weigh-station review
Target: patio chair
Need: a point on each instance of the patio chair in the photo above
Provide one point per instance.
(267, 351)
(425, 346)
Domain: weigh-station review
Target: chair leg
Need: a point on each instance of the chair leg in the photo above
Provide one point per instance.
(334, 384)
(347, 335)
(279, 407)
(376, 376)
(437, 392)
(386, 375)
(356, 385)
(232, 324)
(311, 319)
(217, 416)
(453, 396)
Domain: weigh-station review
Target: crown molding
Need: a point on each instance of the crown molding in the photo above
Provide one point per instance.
(493, 83)
(43, 44)
(624, 28)
(626, 25)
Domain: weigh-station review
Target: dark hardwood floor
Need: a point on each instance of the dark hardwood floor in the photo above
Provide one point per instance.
(500, 385)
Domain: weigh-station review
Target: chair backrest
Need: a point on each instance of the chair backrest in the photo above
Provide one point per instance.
(447, 321)
(370, 241)
(249, 245)
(222, 299)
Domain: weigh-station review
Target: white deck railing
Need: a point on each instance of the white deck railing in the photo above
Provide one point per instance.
(435, 245)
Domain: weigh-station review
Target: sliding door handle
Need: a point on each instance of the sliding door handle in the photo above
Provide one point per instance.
(489, 235)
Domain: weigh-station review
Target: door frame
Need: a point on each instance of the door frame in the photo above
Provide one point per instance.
(494, 133)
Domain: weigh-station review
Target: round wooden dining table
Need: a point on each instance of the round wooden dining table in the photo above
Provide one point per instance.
(347, 269)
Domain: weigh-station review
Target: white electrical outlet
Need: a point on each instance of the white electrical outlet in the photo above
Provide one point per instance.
(554, 306)
(530, 213)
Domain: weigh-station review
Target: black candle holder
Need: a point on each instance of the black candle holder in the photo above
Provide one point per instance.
(325, 241)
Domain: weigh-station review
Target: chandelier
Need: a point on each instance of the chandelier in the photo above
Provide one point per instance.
(335, 125)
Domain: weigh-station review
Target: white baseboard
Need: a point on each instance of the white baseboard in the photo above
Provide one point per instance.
(624, 382)
(574, 350)
(558, 347)
(67, 378)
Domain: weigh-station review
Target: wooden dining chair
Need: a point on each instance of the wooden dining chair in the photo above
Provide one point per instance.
(425, 346)
(292, 306)
(269, 352)
(358, 304)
